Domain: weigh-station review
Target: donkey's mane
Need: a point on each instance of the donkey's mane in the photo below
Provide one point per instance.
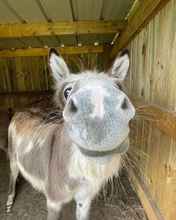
(47, 115)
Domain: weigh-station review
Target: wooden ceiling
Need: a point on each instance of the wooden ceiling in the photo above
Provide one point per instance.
(75, 25)
(39, 23)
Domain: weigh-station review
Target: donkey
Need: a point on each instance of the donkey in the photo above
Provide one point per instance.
(71, 155)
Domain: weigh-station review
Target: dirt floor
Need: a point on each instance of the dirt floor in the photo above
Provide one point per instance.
(30, 205)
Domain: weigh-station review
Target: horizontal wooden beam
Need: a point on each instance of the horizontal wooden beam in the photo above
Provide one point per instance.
(44, 51)
(164, 120)
(145, 12)
(60, 28)
(149, 205)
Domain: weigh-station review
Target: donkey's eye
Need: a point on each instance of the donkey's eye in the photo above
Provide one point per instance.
(67, 92)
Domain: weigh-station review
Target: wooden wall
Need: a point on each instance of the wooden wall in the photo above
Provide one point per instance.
(23, 74)
(26, 75)
(152, 80)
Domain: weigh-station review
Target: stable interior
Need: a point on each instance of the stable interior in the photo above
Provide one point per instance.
(90, 34)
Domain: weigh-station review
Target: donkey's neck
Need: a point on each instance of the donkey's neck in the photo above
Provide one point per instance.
(93, 169)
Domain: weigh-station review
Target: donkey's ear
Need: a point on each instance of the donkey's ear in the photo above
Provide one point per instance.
(120, 66)
(57, 64)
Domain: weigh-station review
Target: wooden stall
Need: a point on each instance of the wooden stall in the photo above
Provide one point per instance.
(92, 40)
(153, 82)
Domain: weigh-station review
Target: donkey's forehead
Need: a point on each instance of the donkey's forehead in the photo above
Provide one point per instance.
(98, 86)
(90, 77)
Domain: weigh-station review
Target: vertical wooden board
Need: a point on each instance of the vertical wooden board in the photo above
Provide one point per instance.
(7, 76)
(34, 70)
(147, 51)
(24, 74)
(12, 71)
(27, 65)
(159, 76)
(171, 181)
(21, 75)
(46, 74)
(152, 78)
(171, 59)
(2, 75)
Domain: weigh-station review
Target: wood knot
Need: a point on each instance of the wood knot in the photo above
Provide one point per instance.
(144, 50)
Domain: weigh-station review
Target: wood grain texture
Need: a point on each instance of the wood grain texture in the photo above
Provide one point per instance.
(60, 28)
(152, 211)
(44, 51)
(152, 79)
(161, 118)
(31, 73)
(146, 10)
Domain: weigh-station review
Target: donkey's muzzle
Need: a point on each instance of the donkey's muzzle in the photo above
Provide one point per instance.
(98, 120)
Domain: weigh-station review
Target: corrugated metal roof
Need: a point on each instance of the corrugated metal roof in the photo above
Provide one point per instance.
(57, 10)
(116, 9)
(28, 10)
(87, 10)
(63, 10)
(6, 16)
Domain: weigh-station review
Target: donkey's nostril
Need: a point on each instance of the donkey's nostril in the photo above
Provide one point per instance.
(72, 106)
(124, 104)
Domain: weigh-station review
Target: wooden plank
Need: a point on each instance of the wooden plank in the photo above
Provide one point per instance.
(146, 10)
(60, 28)
(44, 51)
(152, 79)
(149, 205)
(164, 120)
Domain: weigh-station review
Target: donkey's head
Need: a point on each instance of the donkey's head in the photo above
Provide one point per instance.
(95, 109)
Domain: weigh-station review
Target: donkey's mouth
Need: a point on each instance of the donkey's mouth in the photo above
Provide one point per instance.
(121, 149)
